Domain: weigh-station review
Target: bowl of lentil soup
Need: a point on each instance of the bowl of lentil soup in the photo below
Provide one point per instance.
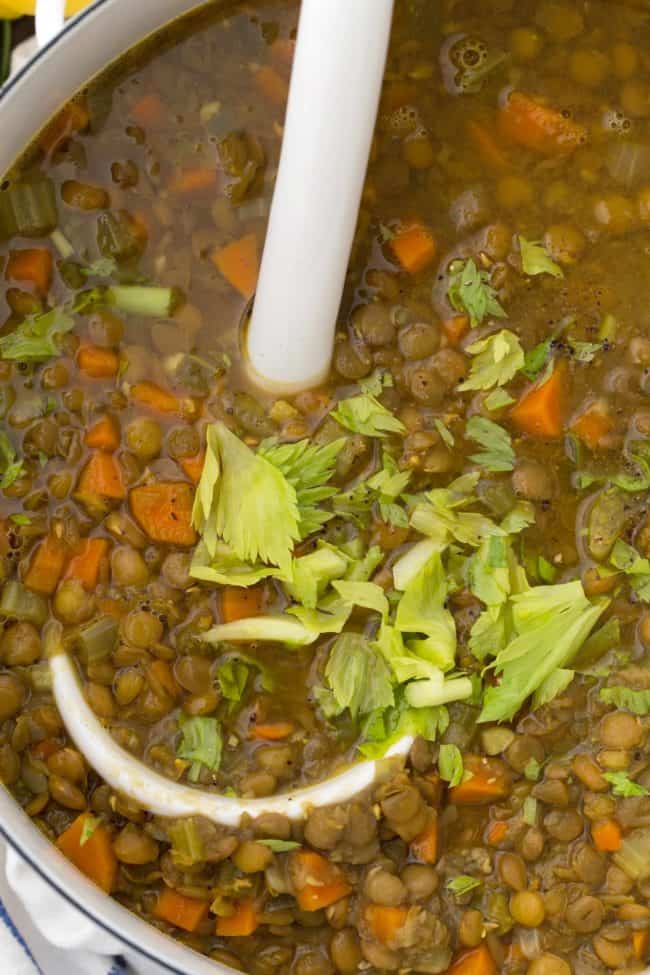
(447, 541)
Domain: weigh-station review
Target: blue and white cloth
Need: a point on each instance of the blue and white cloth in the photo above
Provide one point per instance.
(59, 943)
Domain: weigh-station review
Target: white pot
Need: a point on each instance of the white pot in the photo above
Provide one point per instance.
(47, 883)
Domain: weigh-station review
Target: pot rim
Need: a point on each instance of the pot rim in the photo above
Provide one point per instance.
(16, 828)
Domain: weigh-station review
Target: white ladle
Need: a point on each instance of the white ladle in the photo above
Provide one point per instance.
(335, 88)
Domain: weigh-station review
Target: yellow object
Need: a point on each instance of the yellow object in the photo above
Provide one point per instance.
(18, 8)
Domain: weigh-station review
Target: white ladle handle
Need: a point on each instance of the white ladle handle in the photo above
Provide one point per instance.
(164, 797)
(335, 88)
(50, 17)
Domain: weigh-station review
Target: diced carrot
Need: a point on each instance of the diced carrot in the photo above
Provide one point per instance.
(641, 944)
(540, 410)
(75, 117)
(538, 127)
(104, 435)
(102, 475)
(239, 264)
(238, 604)
(95, 857)
(97, 362)
(148, 111)
(195, 180)
(272, 731)
(606, 834)
(317, 882)
(425, 846)
(46, 566)
(272, 85)
(164, 512)
(476, 961)
(33, 265)
(183, 912)
(283, 51)
(155, 397)
(456, 328)
(592, 426)
(385, 922)
(86, 563)
(497, 832)
(414, 248)
(488, 781)
(487, 147)
(192, 467)
(242, 923)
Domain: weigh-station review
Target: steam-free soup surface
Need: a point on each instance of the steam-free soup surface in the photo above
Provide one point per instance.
(448, 540)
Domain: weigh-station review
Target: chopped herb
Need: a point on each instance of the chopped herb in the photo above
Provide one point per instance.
(586, 351)
(470, 291)
(200, 744)
(280, 846)
(535, 259)
(450, 764)
(375, 384)
(623, 786)
(529, 811)
(89, 827)
(103, 267)
(637, 569)
(497, 454)
(37, 337)
(497, 359)
(532, 770)
(365, 414)
(233, 677)
(638, 702)
(459, 886)
(546, 570)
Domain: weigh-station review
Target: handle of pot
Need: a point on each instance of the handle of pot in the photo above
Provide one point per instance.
(50, 17)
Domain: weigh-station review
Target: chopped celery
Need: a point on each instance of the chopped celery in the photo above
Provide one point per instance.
(98, 640)
(270, 629)
(633, 857)
(18, 603)
(116, 236)
(135, 299)
(28, 209)
(187, 847)
(62, 244)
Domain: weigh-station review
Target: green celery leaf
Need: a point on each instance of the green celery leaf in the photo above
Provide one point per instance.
(470, 291)
(385, 728)
(497, 454)
(550, 624)
(637, 569)
(376, 382)
(450, 764)
(422, 610)
(308, 468)
(497, 359)
(365, 414)
(368, 595)
(498, 399)
(226, 569)
(623, 786)
(358, 676)
(233, 677)
(555, 683)
(312, 573)
(445, 433)
(36, 338)
(536, 260)
(626, 698)
(200, 744)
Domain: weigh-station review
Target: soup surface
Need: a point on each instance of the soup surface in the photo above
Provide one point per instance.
(449, 540)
